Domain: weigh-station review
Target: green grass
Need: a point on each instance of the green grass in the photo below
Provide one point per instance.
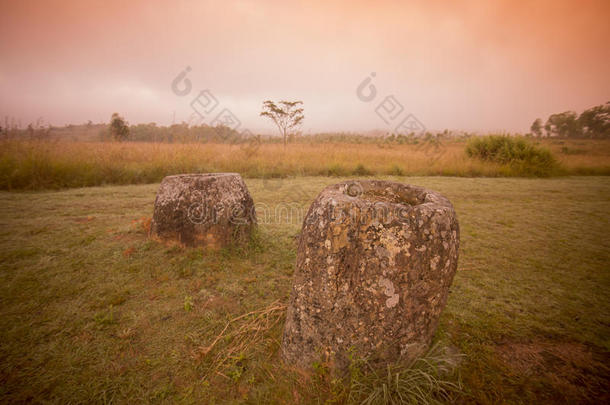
(93, 311)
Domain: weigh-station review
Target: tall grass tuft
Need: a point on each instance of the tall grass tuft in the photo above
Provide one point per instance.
(430, 379)
(518, 156)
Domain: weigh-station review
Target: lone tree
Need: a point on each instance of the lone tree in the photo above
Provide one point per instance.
(118, 127)
(287, 115)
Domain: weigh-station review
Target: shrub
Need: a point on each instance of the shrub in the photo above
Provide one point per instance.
(396, 170)
(361, 170)
(336, 169)
(518, 155)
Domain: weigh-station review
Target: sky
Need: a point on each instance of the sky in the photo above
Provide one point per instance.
(484, 66)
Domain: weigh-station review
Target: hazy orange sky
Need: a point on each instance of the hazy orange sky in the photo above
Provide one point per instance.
(464, 65)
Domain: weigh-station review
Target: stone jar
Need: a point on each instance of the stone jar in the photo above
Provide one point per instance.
(374, 265)
(210, 210)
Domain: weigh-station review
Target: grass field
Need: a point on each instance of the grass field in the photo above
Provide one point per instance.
(92, 311)
(35, 165)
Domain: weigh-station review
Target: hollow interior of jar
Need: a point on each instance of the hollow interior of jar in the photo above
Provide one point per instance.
(389, 193)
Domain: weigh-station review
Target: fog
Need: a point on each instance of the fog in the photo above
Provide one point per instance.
(468, 65)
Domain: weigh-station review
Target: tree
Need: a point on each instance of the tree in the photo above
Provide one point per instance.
(287, 115)
(118, 127)
(536, 127)
(564, 125)
(595, 122)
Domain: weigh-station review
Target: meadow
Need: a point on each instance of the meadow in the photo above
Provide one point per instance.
(92, 311)
(56, 164)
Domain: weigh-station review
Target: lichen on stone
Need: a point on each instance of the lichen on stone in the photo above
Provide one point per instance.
(368, 273)
(212, 210)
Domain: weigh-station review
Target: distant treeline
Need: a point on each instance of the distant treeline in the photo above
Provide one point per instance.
(185, 133)
(181, 133)
(593, 123)
(176, 133)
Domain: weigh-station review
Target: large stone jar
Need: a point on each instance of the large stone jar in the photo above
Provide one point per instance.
(212, 210)
(374, 265)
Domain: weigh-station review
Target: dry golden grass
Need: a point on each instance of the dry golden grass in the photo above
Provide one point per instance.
(581, 156)
(60, 164)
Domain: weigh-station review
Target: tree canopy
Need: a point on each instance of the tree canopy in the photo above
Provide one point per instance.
(592, 123)
(118, 127)
(287, 115)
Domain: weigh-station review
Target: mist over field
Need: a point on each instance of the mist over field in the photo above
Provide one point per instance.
(464, 66)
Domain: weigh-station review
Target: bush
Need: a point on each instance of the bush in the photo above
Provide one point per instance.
(518, 155)
(396, 170)
(336, 170)
(361, 170)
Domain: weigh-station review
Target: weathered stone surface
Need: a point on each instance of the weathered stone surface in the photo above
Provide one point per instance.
(211, 210)
(374, 265)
